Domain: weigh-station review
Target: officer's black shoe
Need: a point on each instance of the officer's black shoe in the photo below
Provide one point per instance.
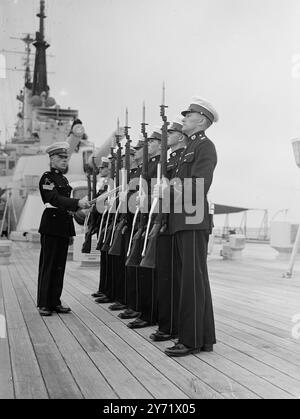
(181, 350)
(61, 309)
(207, 348)
(45, 311)
(129, 314)
(103, 300)
(160, 336)
(98, 294)
(117, 307)
(138, 324)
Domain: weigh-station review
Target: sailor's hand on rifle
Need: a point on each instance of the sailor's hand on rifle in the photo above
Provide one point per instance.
(122, 196)
(110, 201)
(84, 203)
(160, 190)
(141, 200)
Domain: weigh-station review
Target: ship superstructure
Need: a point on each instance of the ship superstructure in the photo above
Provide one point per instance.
(40, 122)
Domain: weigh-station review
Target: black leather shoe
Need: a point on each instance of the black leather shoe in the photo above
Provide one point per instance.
(207, 348)
(138, 324)
(181, 350)
(98, 294)
(61, 309)
(160, 336)
(103, 300)
(129, 314)
(45, 311)
(117, 307)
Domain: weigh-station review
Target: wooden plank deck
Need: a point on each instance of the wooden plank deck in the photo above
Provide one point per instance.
(90, 353)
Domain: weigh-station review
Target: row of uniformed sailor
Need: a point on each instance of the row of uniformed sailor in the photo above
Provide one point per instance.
(182, 304)
(177, 295)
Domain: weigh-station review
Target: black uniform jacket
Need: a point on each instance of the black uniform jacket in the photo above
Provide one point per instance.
(152, 176)
(134, 175)
(152, 167)
(198, 161)
(55, 190)
(173, 162)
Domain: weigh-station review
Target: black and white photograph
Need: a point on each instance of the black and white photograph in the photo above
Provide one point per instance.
(149, 202)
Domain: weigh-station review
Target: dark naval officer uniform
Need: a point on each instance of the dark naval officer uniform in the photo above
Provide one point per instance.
(118, 250)
(131, 272)
(146, 280)
(56, 228)
(165, 265)
(147, 284)
(196, 329)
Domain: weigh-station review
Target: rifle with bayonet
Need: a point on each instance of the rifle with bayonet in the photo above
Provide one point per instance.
(115, 199)
(95, 173)
(159, 225)
(119, 229)
(91, 227)
(92, 219)
(136, 237)
(105, 216)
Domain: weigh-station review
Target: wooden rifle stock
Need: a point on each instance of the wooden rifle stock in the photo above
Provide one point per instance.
(116, 246)
(101, 230)
(132, 230)
(134, 259)
(149, 259)
(153, 207)
(135, 242)
(135, 218)
(105, 246)
(150, 242)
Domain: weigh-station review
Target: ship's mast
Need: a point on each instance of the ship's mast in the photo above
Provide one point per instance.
(28, 41)
(40, 68)
(27, 107)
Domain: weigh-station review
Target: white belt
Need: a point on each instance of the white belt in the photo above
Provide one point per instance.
(49, 206)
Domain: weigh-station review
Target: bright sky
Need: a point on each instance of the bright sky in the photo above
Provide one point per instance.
(238, 54)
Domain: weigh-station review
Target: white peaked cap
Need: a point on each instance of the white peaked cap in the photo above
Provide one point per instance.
(58, 148)
(203, 107)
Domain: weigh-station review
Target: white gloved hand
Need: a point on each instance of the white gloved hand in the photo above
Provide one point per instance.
(84, 203)
(141, 200)
(122, 196)
(160, 190)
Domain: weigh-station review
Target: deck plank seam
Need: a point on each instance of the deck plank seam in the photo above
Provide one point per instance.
(230, 378)
(29, 336)
(261, 350)
(7, 334)
(53, 340)
(33, 281)
(62, 355)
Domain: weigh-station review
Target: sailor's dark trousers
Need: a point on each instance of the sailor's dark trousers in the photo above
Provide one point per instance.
(167, 285)
(52, 263)
(195, 312)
